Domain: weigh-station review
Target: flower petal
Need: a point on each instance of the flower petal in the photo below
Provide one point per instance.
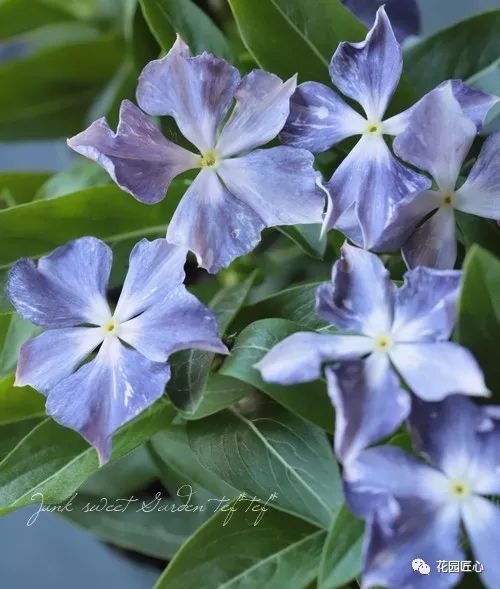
(426, 305)
(156, 268)
(372, 178)
(480, 194)
(299, 357)
(279, 184)
(482, 522)
(66, 288)
(214, 224)
(360, 296)
(369, 72)
(138, 158)
(419, 532)
(434, 243)
(262, 107)
(319, 119)
(179, 323)
(460, 438)
(369, 403)
(438, 137)
(106, 393)
(436, 370)
(52, 356)
(195, 91)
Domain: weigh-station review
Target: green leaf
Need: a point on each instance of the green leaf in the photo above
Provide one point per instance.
(171, 451)
(234, 553)
(19, 403)
(473, 229)
(19, 16)
(307, 237)
(51, 462)
(341, 558)
(478, 325)
(308, 400)
(168, 17)
(149, 526)
(20, 187)
(191, 368)
(45, 95)
(460, 51)
(271, 453)
(14, 331)
(105, 212)
(84, 174)
(219, 392)
(12, 433)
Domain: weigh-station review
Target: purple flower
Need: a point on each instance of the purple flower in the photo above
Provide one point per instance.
(437, 140)
(370, 191)
(414, 509)
(384, 328)
(240, 190)
(155, 316)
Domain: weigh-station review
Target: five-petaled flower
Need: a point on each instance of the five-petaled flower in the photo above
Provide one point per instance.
(154, 317)
(239, 190)
(437, 139)
(406, 329)
(370, 191)
(415, 507)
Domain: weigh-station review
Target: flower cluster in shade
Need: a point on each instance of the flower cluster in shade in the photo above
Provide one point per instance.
(100, 368)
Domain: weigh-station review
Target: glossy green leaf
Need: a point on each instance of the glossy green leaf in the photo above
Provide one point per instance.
(19, 16)
(19, 403)
(167, 18)
(14, 331)
(483, 232)
(191, 368)
(269, 452)
(219, 393)
(51, 461)
(307, 237)
(309, 400)
(478, 325)
(105, 212)
(460, 51)
(12, 433)
(235, 553)
(341, 558)
(20, 187)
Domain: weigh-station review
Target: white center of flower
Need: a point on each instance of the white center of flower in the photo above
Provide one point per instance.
(447, 199)
(110, 327)
(374, 128)
(209, 159)
(460, 489)
(384, 342)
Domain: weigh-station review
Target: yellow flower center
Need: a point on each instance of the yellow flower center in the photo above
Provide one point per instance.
(460, 489)
(374, 128)
(383, 342)
(208, 159)
(447, 199)
(110, 327)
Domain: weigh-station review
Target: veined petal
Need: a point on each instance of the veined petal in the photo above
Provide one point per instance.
(474, 104)
(369, 72)
(369, 403)
(262, 107)
(383, 474)
(179, 323)
(360, 296)
(461, 439)
(319, 119)
(438, 137)
(195, 91)
(482, 522)
(419, 532)
(156, 268)
(372, 178)
(434, 243)
(65, 288)
(426, 305)
(52, 356)
(213, 223)
(106, 393)
(138, 157)
(435, 370)
(279, 184)
(480, 194)
(299, 357)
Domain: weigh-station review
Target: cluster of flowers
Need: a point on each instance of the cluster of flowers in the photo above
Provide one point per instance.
(99, 368)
